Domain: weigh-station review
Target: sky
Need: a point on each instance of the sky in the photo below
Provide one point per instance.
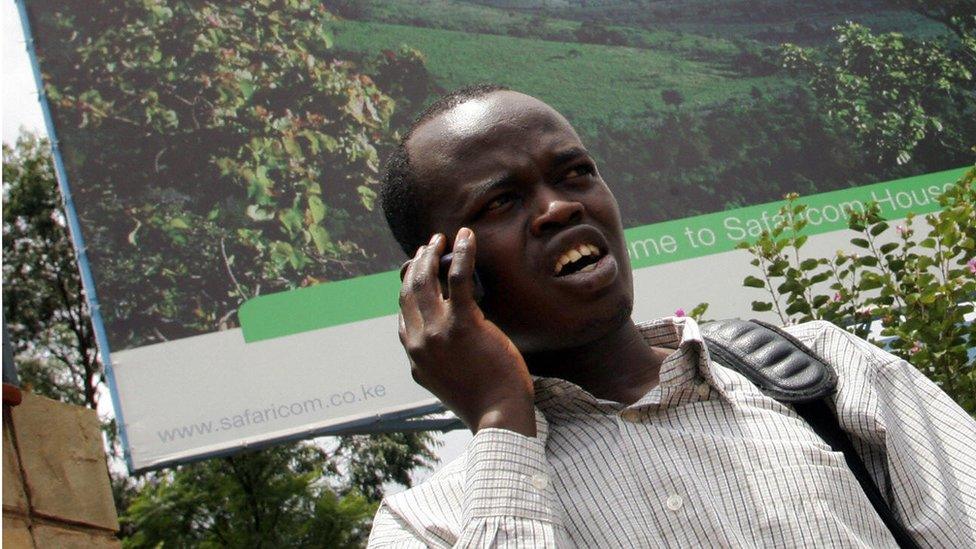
(21, 108)
(22, 111)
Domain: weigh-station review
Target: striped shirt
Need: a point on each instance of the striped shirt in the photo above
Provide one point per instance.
(705, 459)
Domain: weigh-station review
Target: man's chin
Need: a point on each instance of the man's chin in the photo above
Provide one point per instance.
(577, 332)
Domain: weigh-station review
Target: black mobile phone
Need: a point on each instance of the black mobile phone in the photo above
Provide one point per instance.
(445, 267)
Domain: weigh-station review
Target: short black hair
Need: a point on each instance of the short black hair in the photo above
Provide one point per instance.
(402, 203)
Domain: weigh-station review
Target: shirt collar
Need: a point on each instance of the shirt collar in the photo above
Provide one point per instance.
(689, 365)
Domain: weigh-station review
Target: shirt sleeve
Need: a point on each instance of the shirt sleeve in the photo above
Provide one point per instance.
(507, 500)
(923, 441)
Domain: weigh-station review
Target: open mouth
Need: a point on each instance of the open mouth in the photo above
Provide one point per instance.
(578, 259)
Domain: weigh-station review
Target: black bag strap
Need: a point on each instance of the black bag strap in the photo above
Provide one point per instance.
(776, 362)
(785, 369)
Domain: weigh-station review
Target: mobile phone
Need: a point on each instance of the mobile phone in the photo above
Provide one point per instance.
(445, 267)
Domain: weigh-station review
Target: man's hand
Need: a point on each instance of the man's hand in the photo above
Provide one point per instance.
(455, 352)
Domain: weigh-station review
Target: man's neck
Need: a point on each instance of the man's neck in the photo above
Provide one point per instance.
(619, 366)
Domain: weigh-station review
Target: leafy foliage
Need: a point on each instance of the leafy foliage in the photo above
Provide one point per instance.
(889, 91)
(370, 461)
(958, 15)
(920, 289)
(321, 494)
(681, 163)
(251, 153)
(43, 300)
(273, 498)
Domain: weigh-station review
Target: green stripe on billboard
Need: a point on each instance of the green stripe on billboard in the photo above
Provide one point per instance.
(721, 231)
(335, 303)
(320, 306)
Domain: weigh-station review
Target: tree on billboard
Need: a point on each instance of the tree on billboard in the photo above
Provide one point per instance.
(894, 93)
(673, 98)
(958, 15)
(219, 151)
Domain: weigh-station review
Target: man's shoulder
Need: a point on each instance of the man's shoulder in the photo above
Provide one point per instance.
(817, 334)
(833, 343)
(855, 360)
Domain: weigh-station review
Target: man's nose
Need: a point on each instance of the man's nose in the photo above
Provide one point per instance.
(556, 213)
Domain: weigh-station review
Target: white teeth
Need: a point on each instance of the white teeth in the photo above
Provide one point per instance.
(588, 268)
(574, 254)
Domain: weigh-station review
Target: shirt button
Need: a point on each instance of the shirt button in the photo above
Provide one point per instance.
(540, 481)
(703, 389)
(632, 416)
(674, 502)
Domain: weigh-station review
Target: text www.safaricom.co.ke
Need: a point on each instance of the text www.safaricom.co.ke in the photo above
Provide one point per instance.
(271, 413)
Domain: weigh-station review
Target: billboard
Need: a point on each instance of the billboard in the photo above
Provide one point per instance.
(220, 163)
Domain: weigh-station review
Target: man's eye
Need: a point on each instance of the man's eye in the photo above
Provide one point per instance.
(578, 171)
(499, 202)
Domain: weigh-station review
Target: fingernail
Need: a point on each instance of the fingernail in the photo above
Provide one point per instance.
(463, 234)
(433, 239)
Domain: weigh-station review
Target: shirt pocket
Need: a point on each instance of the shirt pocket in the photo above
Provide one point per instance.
(819, 505)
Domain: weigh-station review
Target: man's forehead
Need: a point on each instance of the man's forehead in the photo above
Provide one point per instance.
(476, 128)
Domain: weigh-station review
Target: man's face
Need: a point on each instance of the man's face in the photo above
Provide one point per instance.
(514, 171)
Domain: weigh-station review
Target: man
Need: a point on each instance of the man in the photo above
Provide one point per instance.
(593, 431)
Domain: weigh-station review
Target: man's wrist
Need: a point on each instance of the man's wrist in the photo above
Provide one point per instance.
(507, 475)
(516, 415)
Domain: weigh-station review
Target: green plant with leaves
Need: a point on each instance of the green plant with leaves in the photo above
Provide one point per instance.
(306, 494)
(890, 91)
(321, 494)
(251, 153)
(917, 280)
(43, 300)
(278, 497)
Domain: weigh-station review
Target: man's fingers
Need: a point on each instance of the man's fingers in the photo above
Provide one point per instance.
(420, 282)
(402, 328)
(460, 278)
(409, 314)
(406, 274)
